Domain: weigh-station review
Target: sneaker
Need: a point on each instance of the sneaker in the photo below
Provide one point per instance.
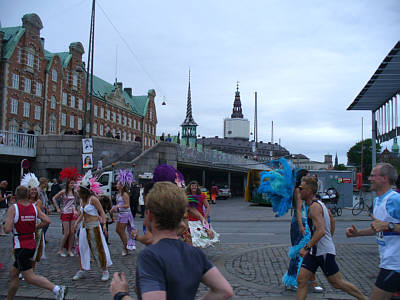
(61, 293)
(21, 277)
(105, 276)
(70, 253)
(316, 288)
(79, 275)
(62, 253)
(124, 253)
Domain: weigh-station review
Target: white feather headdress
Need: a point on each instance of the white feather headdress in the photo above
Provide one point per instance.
(90, 183)
(30, 181)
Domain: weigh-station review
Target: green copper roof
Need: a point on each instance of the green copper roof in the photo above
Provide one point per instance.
(137, 104)
(65, 57)
(12, 36)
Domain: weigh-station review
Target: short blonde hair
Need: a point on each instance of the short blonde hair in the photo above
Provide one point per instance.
(168, 203)
(311, 183)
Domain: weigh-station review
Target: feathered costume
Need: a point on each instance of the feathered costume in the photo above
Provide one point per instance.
(30, 181)
(278, 185)
(91, 237)
(125, 177)
(198, 230)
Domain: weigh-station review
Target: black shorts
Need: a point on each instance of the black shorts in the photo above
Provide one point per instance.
(388, 280)
(23, 259)
(326, 262)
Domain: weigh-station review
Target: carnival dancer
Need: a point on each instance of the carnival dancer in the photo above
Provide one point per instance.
(280, 185)
(202, 233)
(21, 219)
(68, 214)
(31, 182)
(91, 237)
(125, 218)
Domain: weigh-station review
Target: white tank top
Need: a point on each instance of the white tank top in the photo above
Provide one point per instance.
(389, 242)
(325, 244)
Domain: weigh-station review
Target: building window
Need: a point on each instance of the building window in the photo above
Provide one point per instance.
(130, 123)
(64, 98)
(125, 120)
(108, 114)
(124, 136)
(73, 101)
(80, 104)
(113, 132)
(14, 106)
(38, 63)
(15, 81)
(113, 116)
(134, 123)
(95, 128)
(27, 85)
(53, 124)
(19, 55)
(72, 122)
(88, 106)
(75, 80)
(27, 108)
(63, 119)
(87, 127)
(38, 89)
(31, 60)
(130, 137)
(101, 129)
(119, 119)
(54, 75)
(151, 114)
(37, 112)
(138, 123)
(53, 102)
(95, 110)
(79, 123)
(102, 112)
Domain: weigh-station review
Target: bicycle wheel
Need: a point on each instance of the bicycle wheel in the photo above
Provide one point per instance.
(358, 208)
(339, 211)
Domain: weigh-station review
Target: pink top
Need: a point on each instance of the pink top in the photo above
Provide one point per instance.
(68, 204)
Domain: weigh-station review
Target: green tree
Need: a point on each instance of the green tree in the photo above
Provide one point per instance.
(354, 156)
(340, 167)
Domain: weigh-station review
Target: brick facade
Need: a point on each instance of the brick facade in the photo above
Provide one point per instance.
(45, 92)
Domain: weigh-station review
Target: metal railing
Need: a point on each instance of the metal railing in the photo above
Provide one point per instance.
(17, 144)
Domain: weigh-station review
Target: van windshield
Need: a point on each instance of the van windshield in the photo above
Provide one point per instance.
(104, 179)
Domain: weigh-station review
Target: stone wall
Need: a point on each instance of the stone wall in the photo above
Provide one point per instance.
(161, 153)
(55, 152)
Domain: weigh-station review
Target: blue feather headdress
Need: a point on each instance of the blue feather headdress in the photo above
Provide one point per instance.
(278, 185)
(125, 177)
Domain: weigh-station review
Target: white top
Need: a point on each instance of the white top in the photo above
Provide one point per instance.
(141, 199)
(90, 209)
(325, 244)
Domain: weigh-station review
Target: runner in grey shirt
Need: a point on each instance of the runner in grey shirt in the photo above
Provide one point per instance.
(320, 250)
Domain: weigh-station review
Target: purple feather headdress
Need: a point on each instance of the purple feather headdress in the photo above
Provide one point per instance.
(125, 177)
(168, 173)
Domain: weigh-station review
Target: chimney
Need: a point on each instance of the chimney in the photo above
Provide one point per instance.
(76, 49)
(42, 41)
(128, 91)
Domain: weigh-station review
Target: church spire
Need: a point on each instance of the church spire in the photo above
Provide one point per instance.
(237, 105)
(189, 118)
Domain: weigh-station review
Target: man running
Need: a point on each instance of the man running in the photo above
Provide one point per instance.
(320, 250)
(21, 219)
(386, 226)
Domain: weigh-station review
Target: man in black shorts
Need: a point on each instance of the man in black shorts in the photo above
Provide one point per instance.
(169, 268)
(320, 250)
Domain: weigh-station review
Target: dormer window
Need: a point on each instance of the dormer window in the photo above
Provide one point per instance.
(54, 75)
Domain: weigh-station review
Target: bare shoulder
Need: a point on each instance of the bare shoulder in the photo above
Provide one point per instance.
(315, 209)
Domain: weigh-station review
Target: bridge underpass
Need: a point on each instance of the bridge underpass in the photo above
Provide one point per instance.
(207, 176)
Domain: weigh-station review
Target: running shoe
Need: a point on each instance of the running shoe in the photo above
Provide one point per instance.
(79, 275)
(316, 288)
(61, 293)
(105, 276)
(70, 253)
(124, 253)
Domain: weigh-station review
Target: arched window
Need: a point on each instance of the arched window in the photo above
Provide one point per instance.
(54, 75)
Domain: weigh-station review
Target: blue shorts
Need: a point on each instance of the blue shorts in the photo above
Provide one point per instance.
(327, 263)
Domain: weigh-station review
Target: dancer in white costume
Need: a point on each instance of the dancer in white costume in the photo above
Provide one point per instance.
(91, 237)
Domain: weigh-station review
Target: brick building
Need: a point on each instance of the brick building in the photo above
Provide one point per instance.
(45, 92)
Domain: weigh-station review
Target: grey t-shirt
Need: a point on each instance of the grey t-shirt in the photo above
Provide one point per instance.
(171, 266)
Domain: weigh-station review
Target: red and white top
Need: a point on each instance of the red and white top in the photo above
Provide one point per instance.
(24, 226)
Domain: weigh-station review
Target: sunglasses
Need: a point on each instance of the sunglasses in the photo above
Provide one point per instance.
(301, 187)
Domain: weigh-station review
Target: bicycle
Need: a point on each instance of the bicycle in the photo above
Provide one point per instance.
(361, 205)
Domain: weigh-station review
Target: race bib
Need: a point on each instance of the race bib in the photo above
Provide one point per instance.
(380, 238)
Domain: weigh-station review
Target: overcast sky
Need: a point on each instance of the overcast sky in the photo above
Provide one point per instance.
(307, 60)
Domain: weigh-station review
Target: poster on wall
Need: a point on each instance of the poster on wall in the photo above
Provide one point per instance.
(87, 161)
(87, 145)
